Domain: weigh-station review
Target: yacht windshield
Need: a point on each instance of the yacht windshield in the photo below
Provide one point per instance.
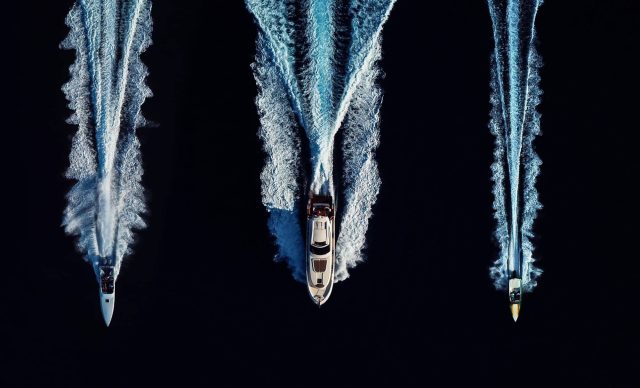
(107, 281)
(514, 296)
(322, 250)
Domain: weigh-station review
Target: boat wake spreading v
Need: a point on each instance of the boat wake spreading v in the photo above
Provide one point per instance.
(515, 123)
(316, 71)
(105, 92)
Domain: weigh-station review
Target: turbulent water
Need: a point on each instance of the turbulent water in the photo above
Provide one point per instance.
(105, 92)
(316, 70)
(515, 124)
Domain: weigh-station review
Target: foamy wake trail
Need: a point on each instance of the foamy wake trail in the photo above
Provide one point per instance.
(105, 92)
(313, 76)
(515, 123)
(280, 174)
(361, 178)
